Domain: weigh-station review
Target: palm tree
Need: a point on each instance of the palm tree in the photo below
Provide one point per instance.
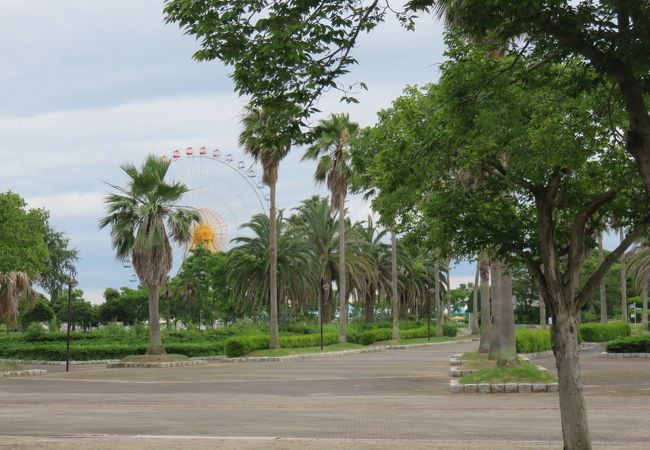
(14, 286)
(261, 142)
(248, 265)
(143, 216)
(331, 149)
(376, 251)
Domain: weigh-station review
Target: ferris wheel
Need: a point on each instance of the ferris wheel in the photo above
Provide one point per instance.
(225, 190)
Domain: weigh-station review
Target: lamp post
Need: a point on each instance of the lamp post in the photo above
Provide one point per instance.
(72, 282)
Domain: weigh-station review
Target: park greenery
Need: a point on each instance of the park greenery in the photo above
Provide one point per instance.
(533, 142)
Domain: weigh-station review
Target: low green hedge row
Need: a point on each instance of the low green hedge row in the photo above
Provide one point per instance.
(88, 351)
(241, 345)
(533, 341)
(630, 344)
(603, 332)
(385, 334)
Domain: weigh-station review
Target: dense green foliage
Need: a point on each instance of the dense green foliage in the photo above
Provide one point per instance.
(603, 332)
(630, 344)
(533, 341)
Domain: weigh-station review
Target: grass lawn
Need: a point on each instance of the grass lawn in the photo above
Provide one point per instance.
(524, 373)
(8, 367)
(639, 329)
(421, 340)
(468, 356)
(303, 350)
(155, 358)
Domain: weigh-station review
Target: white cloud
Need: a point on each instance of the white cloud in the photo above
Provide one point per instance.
(69, 204)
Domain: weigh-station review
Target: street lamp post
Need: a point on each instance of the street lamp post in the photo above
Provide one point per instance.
(72, 282)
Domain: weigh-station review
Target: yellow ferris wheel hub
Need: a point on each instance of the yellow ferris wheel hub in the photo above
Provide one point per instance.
(209, 233)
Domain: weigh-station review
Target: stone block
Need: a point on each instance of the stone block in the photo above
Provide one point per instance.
(553, 387)
(484, 388)
(510, 388)
(497, 388)
(455, 387)
(524, 387)
(540, 387)
(471, 388)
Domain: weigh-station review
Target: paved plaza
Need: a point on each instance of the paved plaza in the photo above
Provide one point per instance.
(385, 400)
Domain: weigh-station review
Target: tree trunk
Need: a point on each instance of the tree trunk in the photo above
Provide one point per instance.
(507, 352)
(573, 411)
(437, 299)
(542, 312)
(448, 262)
(603, 288)
(474, 322)
(495, 328)
(403, 308)
(395, 305)
(343, 315)
(369, 313)
(486, 315)
(273, 247)
(327, 300)
(155, 341)
(623, 283)
(644, 312)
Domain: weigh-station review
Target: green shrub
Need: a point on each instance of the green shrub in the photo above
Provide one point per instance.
(34, 332)
(308, 340)
(240, 345)
(449, 330)
(300, 328)
(206, 348)
(602, 332)
(378, 334)
(630, 344)
(533, 341)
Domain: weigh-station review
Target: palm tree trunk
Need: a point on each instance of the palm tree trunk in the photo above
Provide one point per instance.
(436, 296)
(155, 341)
(623, 283)
(644, 299)
(273, 282)
(369, 313)
(495, 328)
(343, 320)
(395, 306)
(507, 353)
(474, 322)
(327, 299)
(603, 288)
(486, 315)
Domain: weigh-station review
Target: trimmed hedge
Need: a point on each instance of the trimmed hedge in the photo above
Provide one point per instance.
(602, 332)
(308, 340)
(630, 344)
(240, 345)
(533, 341)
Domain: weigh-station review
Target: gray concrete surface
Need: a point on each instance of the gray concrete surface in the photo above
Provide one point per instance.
(392, 399)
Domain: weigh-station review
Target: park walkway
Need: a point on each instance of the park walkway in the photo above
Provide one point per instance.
(391, 399)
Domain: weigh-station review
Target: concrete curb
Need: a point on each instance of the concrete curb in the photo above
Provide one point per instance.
(502, 388)
(155, 365)
(379, 348)
(23, 373)
(625, 355)
(39, 362)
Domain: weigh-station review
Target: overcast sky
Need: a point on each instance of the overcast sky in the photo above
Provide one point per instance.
(88, 85)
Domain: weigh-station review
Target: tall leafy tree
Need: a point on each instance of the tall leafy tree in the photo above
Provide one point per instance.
(331, 150)
(143, 217)
(61, 261)
(258, 126)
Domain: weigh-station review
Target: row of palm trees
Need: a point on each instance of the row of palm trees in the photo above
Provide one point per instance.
(309, 265)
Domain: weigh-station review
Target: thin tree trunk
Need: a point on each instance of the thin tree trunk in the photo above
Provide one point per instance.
(644, 312)
(273, 247)
(343, 315)
(155, 341)
(495, 328)
(448, 262)
(486, 315)
(474, 322)
(623, 283)
(603, 287)
(573, 411)
(542, 312)
(395, 306)
(507, 353)
(327, 300)
(369, 313)
(437, 299)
